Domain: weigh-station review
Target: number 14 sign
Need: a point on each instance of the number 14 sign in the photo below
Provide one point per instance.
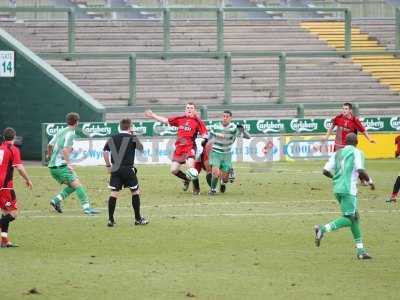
(6, 63)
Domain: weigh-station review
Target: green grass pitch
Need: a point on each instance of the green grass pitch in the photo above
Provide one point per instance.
(253, 242)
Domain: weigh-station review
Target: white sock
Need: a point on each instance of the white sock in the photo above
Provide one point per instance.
(328, 227)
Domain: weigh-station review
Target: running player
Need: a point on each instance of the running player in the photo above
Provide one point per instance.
(61, 169)
(345, 167)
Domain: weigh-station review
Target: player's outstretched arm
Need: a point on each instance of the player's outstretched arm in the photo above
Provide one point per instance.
(328, 133)
(364, 177)
(148, 113)
(368, 137)
(24, 174)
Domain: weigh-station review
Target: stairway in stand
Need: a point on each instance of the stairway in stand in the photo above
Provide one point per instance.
(385, 68)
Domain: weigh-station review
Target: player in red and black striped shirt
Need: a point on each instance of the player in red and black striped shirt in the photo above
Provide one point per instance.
(189, 126)
(10, 158)
(345, 123)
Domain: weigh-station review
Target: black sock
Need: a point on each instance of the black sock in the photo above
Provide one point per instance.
(181, 175)
(111, 207)
(396, 187)
(136, 206)
(5, 222)
(196, 184)
(208, 178)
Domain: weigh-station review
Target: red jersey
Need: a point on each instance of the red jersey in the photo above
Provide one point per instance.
(9, 157)
(188, 128)
(344, 126)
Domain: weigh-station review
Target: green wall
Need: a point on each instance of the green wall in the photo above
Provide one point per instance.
(38, 94)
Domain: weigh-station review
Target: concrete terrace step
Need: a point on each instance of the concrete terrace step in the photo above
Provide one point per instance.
(162, 68)
(175, 81)
(119, 84)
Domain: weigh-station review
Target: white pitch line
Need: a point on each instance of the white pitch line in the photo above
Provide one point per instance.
(201, 204)
(278, 214)
(167, 174)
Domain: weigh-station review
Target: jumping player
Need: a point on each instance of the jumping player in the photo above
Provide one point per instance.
(189, 126)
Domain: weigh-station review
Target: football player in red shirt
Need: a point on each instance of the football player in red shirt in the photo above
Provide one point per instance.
(396, 186)
(345, 123)
(10, 158)
(189, 126)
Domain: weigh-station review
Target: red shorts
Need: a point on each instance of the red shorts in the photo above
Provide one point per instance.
(8, 200)
(198, 165)
(182, 153)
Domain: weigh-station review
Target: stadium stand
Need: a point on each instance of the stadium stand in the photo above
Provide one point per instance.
(172, 82)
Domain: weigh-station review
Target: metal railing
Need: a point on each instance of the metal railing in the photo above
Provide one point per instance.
(227, 56)
(166, 13)
(219, 54)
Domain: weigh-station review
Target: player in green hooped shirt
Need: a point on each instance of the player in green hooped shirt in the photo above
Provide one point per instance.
(58, 153)
(222, 137)
(345, 167)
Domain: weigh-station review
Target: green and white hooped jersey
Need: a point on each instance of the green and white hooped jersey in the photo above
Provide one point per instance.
(223, 137)
(64, 138)
(344, 164)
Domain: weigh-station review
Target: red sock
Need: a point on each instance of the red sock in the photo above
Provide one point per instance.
(394, 195)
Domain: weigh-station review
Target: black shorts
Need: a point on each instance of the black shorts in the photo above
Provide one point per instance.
(124, 177)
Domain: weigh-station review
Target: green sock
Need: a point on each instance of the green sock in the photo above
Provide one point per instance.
(337, 224)
(214, 182)
(83, 197)
(63, 194)
(356, 231)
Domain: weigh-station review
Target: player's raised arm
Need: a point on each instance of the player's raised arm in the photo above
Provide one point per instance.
(150, 114)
